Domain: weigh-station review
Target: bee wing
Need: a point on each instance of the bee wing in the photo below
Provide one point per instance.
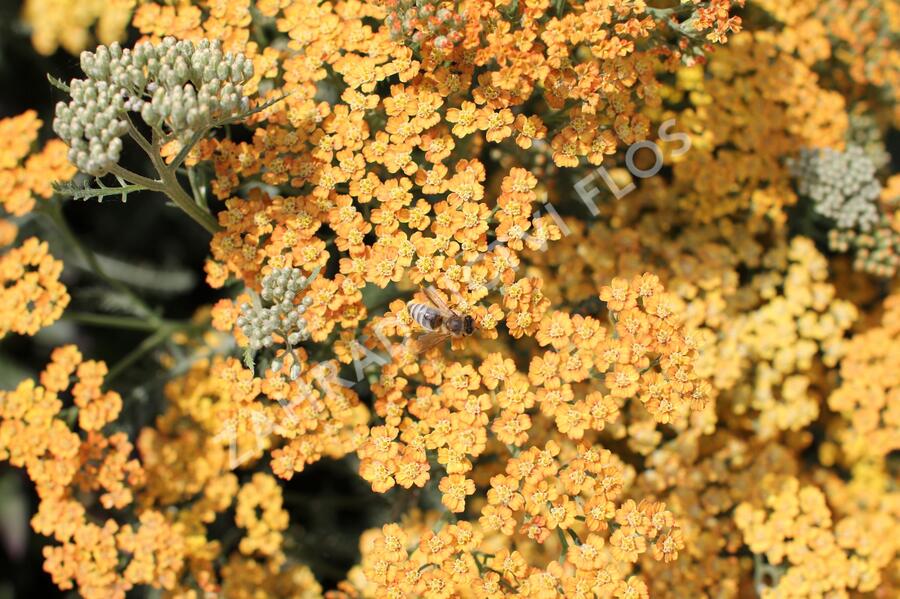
(435, 298)
(425, 342)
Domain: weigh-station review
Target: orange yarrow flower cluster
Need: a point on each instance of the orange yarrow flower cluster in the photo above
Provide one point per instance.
(23, 175)
(33, 297)
(548, 497)
(797, 532)
(868, 396)
(67, 465)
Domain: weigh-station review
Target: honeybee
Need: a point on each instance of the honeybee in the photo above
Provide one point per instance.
(439, 320)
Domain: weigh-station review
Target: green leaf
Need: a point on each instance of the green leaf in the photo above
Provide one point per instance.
(250, 112)
(255, 300)
(57, 83)
(85, 192)
(249, 358)
(312, 276)
(112, 301)
(160, 280)
(11, 373)
(560, 7)
(13, 516)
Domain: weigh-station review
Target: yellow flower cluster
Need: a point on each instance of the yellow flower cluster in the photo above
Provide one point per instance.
(56, 23)
(360, 170)
(458, 559)
(868, 395)
(24, 175)
(200, 491)
(799, 326)
(436, 243)
(67, 465)
(736, 164)
(33, 296)
(263, 531)
(812, 554)
(146, 520)
(454, 408)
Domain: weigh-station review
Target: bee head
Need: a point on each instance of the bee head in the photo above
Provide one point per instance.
(468, 325)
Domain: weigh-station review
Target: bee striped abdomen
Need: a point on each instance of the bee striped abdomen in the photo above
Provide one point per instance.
(426, 316)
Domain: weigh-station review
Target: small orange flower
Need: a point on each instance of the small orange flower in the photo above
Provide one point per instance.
(455, 488)
(464, 119)
(32, 295)
(617, 295)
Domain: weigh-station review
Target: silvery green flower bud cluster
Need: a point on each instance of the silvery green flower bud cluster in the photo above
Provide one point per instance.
(176, 86)
(420, 21)
(841, 185)
(876, 252)
(280, 313)
(865, 133)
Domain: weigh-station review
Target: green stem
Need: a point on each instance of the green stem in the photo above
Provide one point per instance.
(665, 13)
(199, 198)
(133, 177)
(183, 153)
(142, 349)
(565, 544)
(102, 192)
(138, 137)
(173, 189)
(111, 320)
(54, 211)
(69, 415)
(181, 199)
